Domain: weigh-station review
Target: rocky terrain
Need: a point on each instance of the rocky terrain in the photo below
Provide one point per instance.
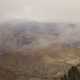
(37, 51)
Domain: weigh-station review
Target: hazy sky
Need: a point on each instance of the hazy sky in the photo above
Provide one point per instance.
(41, 10)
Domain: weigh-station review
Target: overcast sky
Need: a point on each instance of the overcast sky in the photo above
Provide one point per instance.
(41, 10)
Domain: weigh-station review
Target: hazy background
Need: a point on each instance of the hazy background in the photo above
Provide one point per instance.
(41, 10)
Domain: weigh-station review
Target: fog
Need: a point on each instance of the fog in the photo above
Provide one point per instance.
(65, 13)
(41, 10)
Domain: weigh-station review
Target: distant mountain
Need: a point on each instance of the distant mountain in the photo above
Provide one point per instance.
(22, 32)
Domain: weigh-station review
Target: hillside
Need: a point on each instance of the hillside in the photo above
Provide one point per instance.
(38, 51)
